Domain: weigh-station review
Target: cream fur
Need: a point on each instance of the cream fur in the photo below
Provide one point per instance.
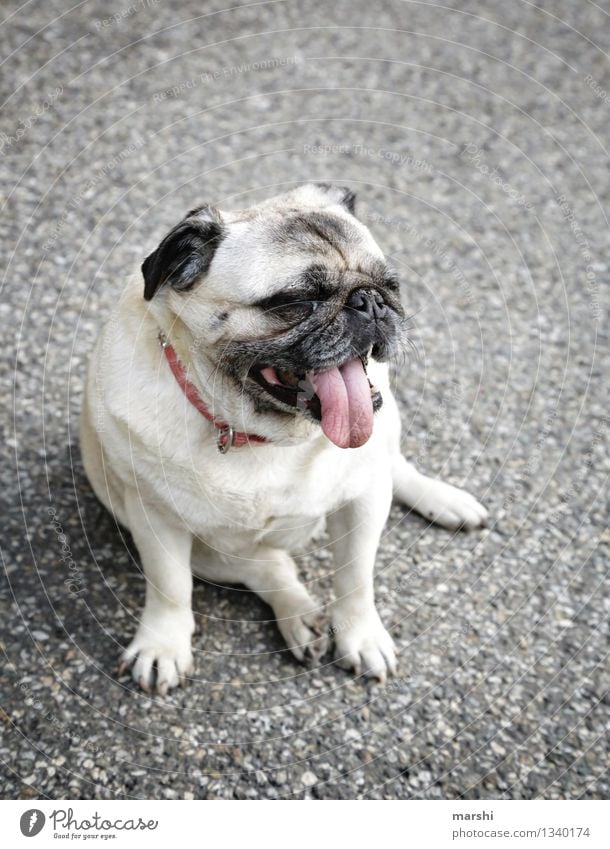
(152, 460)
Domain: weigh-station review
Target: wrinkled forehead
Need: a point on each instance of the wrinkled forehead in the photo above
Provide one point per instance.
(273, 250)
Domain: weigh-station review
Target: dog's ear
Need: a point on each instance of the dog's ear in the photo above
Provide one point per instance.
(338, 194)
(185, 253)
(318, 195)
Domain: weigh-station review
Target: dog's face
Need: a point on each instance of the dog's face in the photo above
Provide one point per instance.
(282, 304)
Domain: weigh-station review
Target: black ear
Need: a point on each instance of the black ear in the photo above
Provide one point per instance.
(185, 253)
(339, 194)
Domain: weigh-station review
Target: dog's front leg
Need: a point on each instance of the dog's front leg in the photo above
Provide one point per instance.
(163, 637)
(361, 641)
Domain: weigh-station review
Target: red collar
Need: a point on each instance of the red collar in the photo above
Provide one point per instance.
(226, 437)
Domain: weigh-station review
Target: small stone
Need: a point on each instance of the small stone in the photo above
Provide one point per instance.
(309, 779)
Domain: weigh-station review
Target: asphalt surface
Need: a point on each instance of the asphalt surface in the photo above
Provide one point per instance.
(477, 143)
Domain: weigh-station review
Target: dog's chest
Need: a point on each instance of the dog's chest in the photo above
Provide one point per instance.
(270, 493)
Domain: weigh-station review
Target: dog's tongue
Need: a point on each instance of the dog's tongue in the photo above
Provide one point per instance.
(346, 404)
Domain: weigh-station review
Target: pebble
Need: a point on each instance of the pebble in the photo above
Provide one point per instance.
(309, 779)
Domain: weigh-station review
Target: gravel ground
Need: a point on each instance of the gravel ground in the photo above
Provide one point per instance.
(476, 142)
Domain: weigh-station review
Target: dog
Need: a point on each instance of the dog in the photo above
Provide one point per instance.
(237, 404)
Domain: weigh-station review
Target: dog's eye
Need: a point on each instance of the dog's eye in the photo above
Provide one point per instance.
(391, 282)
(289, 304)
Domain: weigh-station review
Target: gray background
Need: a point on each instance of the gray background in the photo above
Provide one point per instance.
(477, 142)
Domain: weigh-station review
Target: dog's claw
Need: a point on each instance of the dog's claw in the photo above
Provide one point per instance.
(143, 684)
(306, 635)
(315, 652)
(122, 668)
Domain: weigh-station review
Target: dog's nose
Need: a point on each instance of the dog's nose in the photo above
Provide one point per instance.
(367, 301)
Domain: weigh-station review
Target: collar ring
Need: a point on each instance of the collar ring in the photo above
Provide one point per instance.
(225, 438)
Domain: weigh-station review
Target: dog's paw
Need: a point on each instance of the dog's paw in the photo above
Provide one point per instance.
(451, 507)
(363, 645)
(160, 654)
(306, 634)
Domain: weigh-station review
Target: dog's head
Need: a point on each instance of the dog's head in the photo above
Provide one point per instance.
(278, 308)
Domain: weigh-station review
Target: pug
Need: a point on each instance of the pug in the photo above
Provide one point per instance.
(237, 404)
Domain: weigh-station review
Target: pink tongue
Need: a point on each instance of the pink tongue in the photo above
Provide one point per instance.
(346, 404)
